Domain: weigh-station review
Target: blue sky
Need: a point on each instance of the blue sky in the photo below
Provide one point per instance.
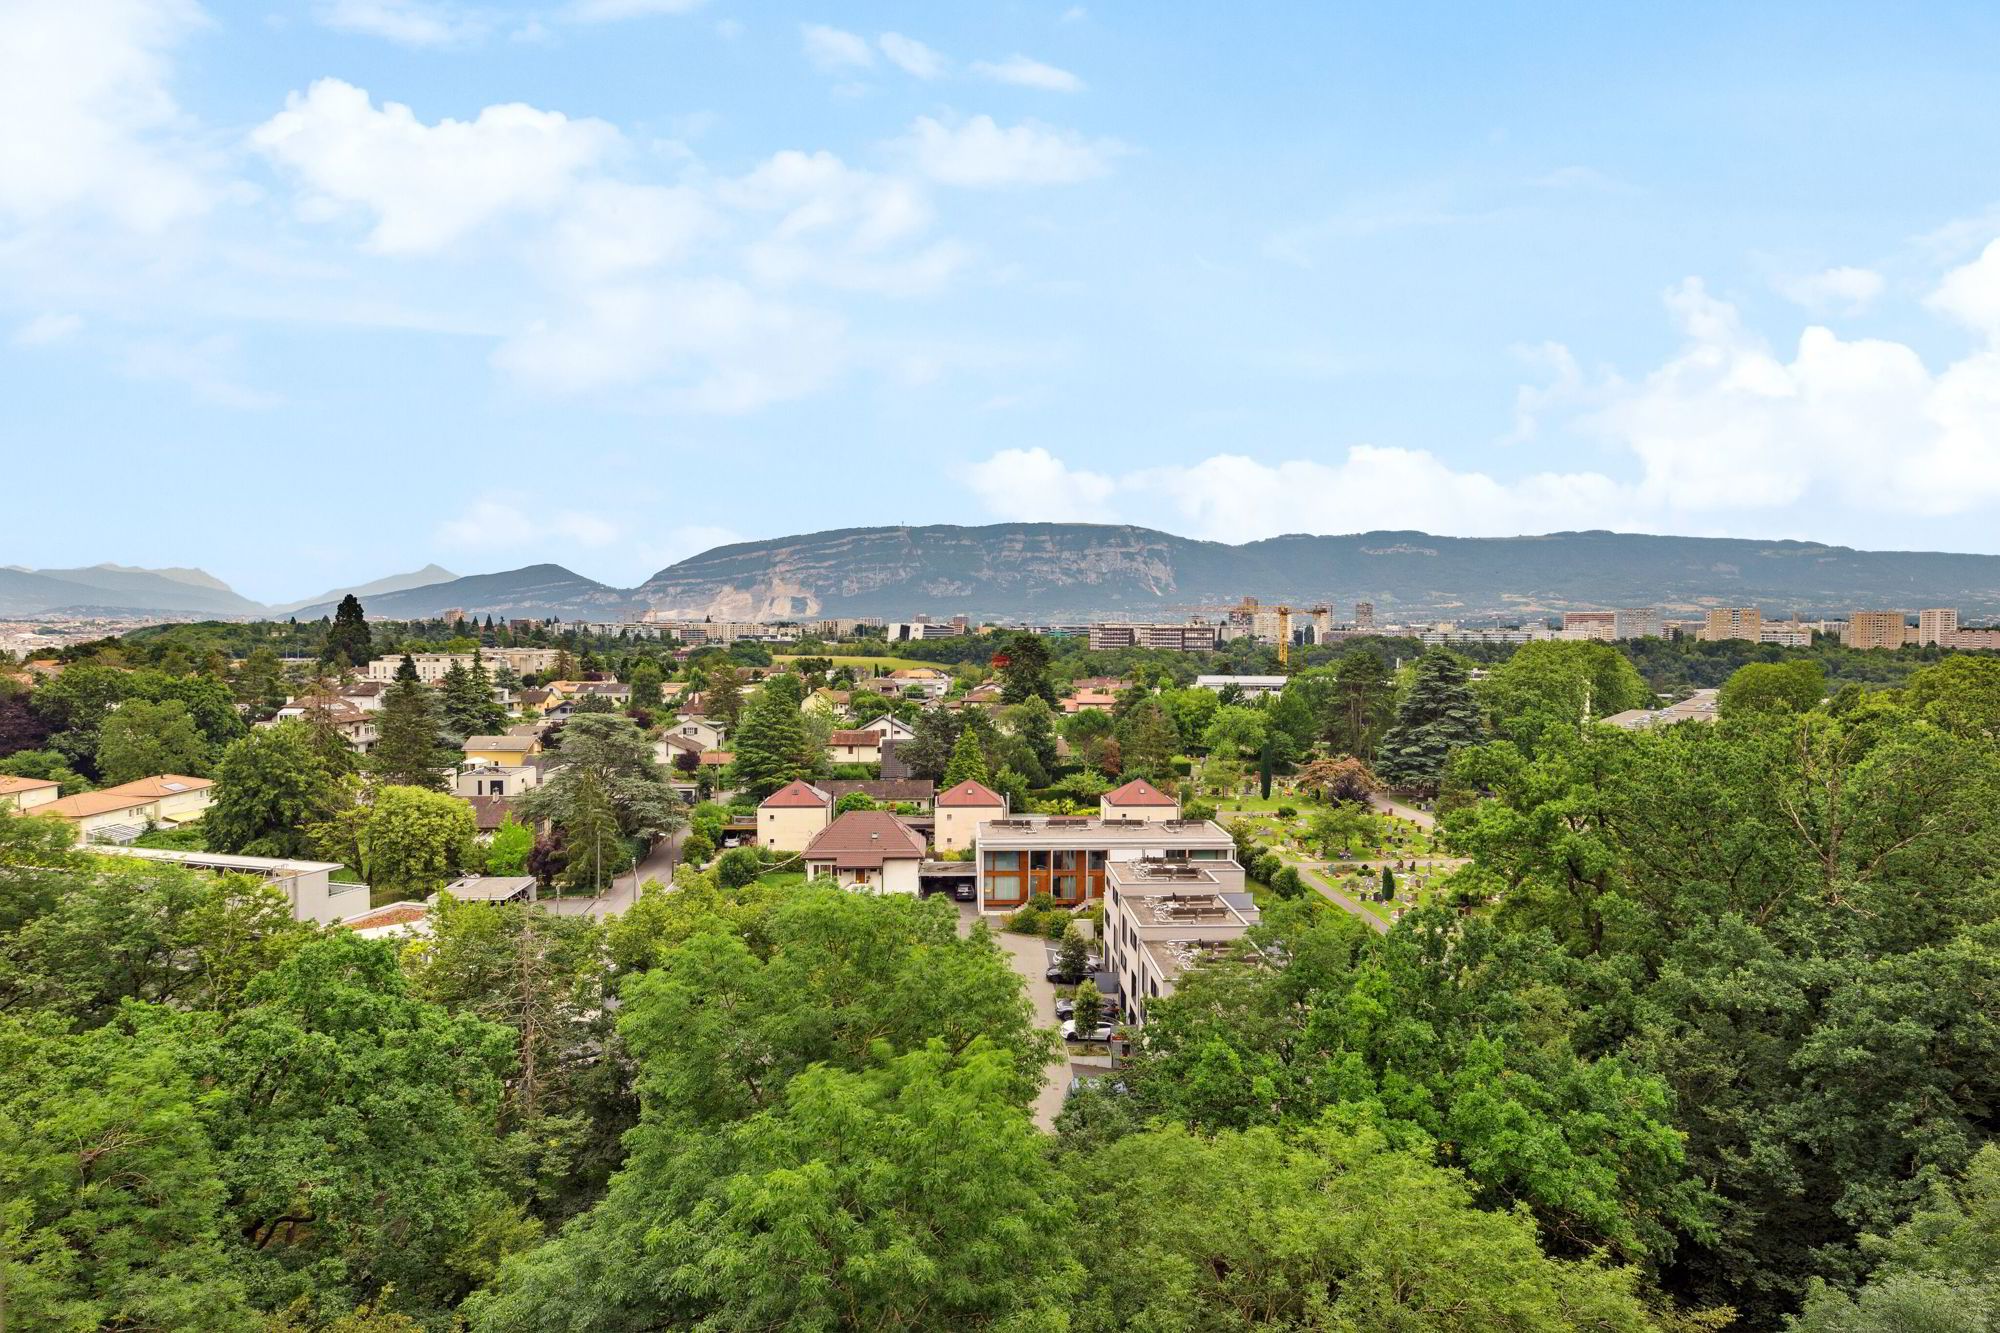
(311, 293)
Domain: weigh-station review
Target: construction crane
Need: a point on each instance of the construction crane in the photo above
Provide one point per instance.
(1284, 637)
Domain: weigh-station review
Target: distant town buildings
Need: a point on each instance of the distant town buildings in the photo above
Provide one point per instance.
(1935, 624)
(1876, 629)
(1364, 615)
(1189, 637)
(1733, 622)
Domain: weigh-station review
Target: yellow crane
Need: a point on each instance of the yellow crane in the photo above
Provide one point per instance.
(1284, 637)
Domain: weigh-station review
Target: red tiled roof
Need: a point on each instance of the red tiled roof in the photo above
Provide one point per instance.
(969, 792)
(854, 738)
(864, 838)
(797, 796)
(1139, 792)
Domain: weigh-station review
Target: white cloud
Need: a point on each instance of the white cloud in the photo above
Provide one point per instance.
(1845, 289)
(1023, 72)
(407, 22)
(911, 56)
(611, 227)
(982, 154)
(713, 345)
(1034, 485)
(612, 11)
(833, 49)
(503, 522)
(1970, 294)
(428, 185)
(47, 330)
(92, 124)
(1726, 427)
(210, 368)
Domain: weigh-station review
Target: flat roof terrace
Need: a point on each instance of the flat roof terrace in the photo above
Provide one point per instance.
(1094, 831)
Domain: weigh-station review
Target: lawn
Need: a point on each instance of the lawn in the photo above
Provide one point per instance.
(782, 879)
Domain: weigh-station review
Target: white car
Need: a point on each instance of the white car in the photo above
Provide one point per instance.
(1069, 1032)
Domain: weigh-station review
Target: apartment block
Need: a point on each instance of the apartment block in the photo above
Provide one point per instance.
(1876, 629)
(1786, 634)
(1162, 917)
(1192, 637)
(1733, 622)
(1067, 857)
(1364, 615)
(1636, 622)
(1934, 623)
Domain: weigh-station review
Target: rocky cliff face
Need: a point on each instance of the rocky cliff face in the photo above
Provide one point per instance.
(1074, 571)
(1016, 568)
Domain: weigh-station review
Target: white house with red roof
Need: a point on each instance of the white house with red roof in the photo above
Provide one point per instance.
(959, 812)
(792, 816)
(1138, 799)
(870, 851)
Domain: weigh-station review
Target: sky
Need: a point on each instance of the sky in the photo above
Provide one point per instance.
(311, 293)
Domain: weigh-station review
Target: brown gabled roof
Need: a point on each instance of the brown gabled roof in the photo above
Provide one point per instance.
(488, 812)
(858, 737)
(797, 796)
(85, 804)
(718, 758)
(865, 838)
(969, 792)
(522, 743)
(1139, 792)
(9, 785)
(152, 789)
(683, 742)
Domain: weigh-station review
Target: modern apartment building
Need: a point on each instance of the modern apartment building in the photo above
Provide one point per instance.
(1786, 634)
(1876, 629)
(1935, 623)
(1364, 615)
(1636, 622)
(1733, 622)
(1162, 917)
(1067, 857)
(1192, 637)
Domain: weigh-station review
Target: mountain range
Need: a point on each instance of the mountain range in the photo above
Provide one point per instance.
(1080, 571)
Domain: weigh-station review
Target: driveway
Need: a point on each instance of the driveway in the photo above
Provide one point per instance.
(1030, 958)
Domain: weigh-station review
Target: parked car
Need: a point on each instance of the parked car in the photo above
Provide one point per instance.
(1100, 1033)
(1057, 977)
(965, 893)
(1065, 1008)
(1078, 1082)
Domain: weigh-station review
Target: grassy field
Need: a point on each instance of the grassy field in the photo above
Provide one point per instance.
(886, 663)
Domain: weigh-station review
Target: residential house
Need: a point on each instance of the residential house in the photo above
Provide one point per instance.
(488, 813)
(1699, 706)
(929, 681)
(1067, 857)
(890, 728)
(986, 696)
(353, 724)
(854, 747)
(919, 792)
(1247, 687)
(893, 765)
(490, 889)
(712, 733)
(871, 851)
(101, 816)
(1088, 701)
(532, 701)
(309, 885)
(960, 812)
(501, 751)
(181, 799)
(25, 796)
(1163, 917)
(481, 779)
(1137, 799)
(791, 817)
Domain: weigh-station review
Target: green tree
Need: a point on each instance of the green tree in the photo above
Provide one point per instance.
(739, 866)
(76, 703)
(407, 750)
(968, 762)
(349, 640)
(1148, 741)
(468, 706)
(1797, 686)
(722, 696)
(1235, 731)
(1023, 663)
(772, 747)
(507, 853)
(415, 841)
(646, 679)
(1439, 716)
(144, 739)
(1033, 723)
(270, 787)
(1319, 1231)
(1363, 702)
(1559, 683)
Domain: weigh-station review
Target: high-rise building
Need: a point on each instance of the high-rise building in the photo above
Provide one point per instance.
(1636, 622)
(1935, 622)
(1364, 615)
(1193, 637)
(1733, 622)
(1599, 625)
(1876, 629)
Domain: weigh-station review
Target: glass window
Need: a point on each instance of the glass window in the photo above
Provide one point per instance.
(1003, 860)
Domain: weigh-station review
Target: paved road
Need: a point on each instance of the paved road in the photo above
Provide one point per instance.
(1030, 957)
(1409, 812)
(659, 864)
(1311, 875)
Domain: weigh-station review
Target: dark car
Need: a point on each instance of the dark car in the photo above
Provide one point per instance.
(1055, 976)
(965, 893)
